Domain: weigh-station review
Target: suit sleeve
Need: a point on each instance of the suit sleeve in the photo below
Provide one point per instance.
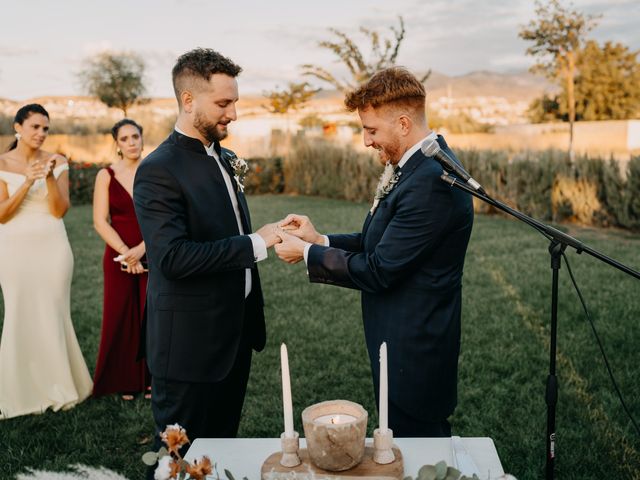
(418, 224)
(351, 242)
(162, 216)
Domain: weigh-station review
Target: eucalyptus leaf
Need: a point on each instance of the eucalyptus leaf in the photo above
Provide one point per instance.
(441, 470)
(229, 474)
(452, 472)
(150, 458)
(427, 472)
(163, 452)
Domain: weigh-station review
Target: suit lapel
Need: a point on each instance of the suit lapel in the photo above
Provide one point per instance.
(407, 169)
(244, 213)
(225, 156)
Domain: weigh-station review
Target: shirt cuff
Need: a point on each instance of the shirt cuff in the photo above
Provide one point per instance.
(308, 246)
(306, 252)
(259, 247)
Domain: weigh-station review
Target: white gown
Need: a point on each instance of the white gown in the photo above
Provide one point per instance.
(41, 365)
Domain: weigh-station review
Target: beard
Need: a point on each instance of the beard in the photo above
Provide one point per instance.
(390, 153)
(207, 129)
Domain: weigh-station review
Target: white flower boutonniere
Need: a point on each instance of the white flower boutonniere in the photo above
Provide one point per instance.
(388, 180)
(240, 168)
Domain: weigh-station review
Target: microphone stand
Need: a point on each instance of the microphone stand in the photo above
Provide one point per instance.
(559, 241)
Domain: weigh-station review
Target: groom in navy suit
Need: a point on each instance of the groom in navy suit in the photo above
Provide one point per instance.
(407, 261)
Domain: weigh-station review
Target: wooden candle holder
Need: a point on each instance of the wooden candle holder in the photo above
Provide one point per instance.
(273, 470)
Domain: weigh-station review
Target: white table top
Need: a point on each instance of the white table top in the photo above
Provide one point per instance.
(244, 457)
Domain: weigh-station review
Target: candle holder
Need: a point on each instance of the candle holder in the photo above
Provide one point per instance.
(383, 446)
(335, 431)
(290, 446)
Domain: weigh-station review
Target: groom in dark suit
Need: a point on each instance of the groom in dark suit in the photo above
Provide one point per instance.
(204, 301)
(407, 261)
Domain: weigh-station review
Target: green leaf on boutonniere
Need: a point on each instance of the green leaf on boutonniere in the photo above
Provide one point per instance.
(150, 458)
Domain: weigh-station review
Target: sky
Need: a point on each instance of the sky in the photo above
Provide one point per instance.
(43, 43)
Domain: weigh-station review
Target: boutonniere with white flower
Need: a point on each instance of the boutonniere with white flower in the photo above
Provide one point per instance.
(388, 180)
(240, 168)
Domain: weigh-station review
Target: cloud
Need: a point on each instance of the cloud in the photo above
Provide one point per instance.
(6, 51)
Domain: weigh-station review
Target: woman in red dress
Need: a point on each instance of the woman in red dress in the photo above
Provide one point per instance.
(125, 279)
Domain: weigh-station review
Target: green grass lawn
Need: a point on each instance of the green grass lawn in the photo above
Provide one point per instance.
(503, 364)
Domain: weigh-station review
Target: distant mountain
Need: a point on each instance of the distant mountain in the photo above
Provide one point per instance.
(512, 86)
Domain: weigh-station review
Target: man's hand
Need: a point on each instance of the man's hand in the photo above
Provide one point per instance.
(301, 227)
(269, 234)
(291, 250)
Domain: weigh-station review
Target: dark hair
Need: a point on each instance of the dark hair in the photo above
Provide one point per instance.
(23, 113)
(394, 86)
(125, 121)
(200, 64)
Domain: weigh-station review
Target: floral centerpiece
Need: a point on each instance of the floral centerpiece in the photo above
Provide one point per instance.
(170, 462)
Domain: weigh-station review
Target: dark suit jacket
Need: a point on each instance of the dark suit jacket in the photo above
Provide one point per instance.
(408, 263)
(197, 259)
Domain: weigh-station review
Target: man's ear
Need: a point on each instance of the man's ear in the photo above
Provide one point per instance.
(186, 99)
(406, 124)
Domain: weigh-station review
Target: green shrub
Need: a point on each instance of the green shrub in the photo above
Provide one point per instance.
(544, 185)
(82, 177)
(265, 176)
(319, 167)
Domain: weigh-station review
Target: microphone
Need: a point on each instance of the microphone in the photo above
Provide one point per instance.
(431, 148)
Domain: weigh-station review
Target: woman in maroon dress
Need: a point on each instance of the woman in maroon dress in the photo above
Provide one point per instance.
(125, 279)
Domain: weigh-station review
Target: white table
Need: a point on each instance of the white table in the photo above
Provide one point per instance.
(244, 457)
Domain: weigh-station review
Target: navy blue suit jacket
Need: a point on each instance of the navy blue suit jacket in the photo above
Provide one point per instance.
(408, 263)
(196, 309)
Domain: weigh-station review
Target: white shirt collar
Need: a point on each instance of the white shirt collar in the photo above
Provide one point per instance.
(407, 155)
(210, 150)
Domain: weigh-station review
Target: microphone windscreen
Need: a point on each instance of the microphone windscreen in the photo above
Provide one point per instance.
(430, 147)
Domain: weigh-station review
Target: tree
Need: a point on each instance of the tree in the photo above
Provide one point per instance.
(384, 53)
(546, 109)
(116, 78)
(608, 82)
(293, 98)
(607, 86)
(557, 35)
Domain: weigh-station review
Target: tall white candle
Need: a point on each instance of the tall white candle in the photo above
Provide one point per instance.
(384, 390)
(287, 406)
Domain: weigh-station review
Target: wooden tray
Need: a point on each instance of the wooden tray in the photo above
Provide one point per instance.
(366, 469)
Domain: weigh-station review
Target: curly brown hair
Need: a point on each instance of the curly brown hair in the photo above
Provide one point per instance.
(394, 86)
(198, 65)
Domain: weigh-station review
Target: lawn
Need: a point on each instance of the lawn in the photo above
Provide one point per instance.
(503, 364)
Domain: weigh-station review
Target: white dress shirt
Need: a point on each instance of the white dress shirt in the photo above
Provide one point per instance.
(407, 155)
(259, 245)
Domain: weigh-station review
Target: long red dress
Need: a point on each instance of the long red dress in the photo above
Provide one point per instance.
(117, 370)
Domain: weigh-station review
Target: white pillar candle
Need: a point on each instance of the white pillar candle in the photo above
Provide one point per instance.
(337, 419)
(287, 406)
(384, 388)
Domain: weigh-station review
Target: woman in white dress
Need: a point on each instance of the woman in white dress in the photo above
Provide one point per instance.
(41, 365)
